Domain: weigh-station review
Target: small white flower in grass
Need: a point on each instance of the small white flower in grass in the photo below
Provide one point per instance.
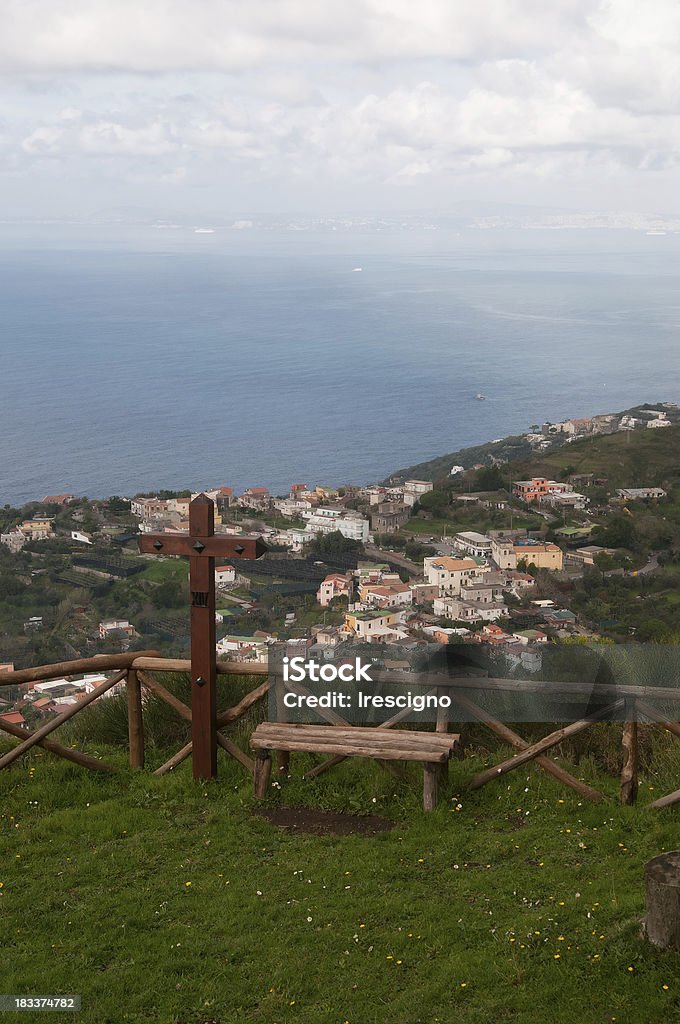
(309, 920)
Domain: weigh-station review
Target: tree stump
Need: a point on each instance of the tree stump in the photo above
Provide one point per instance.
(262, 773)
(662, 898)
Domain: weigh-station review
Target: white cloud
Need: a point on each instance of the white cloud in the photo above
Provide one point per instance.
(111, 138)
(228, 35)
(43, 140)
(352, 91)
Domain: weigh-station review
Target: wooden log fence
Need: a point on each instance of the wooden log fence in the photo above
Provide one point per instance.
(510, 737)
(95, 764)
(136, 669)
(632, 704)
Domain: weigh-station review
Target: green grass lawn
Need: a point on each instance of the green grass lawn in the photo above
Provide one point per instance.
(438, 527)
(430, 527)
(168, 901)
(160, 570)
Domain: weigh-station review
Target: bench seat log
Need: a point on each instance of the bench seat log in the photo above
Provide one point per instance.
(432, 749)
(353, 734)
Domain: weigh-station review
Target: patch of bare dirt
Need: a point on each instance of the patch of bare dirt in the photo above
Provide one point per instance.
(324, 823)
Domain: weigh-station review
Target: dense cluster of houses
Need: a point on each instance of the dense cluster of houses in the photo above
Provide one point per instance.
(462, 596)
(318, 510)
(607, 423)
(46, 699)
(458, 597)
(38, 528)
(324, 512)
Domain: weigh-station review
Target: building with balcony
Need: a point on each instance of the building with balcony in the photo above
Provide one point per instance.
(449, 574)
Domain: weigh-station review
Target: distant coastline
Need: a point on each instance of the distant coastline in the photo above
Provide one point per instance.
(549, 437)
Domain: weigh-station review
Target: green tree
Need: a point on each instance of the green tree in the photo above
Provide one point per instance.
(651, 630)
(489, 478)
(436, 501)
(604, 562)
(118, 504)
(619, 532)
(169, 595)
(415, 551)
(335, 544)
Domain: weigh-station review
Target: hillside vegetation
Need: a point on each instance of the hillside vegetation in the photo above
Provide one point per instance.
(627, 458)
(637, 458)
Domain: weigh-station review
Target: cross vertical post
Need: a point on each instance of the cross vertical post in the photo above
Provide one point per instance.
(203, 641)
(201, 545)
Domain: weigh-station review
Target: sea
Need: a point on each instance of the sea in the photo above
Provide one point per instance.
(134, 358)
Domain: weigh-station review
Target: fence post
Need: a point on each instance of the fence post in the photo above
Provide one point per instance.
(135, 720)
(442, 726)
(282, 756)
(629, 769)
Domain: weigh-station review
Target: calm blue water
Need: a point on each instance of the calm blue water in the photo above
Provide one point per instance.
(168, 359)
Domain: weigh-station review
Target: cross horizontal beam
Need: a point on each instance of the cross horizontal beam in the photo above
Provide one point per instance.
(217, 546)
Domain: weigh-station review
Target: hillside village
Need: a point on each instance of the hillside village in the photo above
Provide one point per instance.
(578, 541)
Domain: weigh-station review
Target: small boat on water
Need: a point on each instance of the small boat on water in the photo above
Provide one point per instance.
(480, 397)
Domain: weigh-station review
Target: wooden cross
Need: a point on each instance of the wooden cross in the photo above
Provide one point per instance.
(201, 545)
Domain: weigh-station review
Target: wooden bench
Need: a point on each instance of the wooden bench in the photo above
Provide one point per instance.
(432, 748)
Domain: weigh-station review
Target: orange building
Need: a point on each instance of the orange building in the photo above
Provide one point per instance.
(537, 488)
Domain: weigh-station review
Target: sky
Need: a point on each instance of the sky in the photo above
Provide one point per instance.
(226, 108)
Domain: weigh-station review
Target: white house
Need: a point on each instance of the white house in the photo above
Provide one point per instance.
(449, 573)
(482, 592)
(418, 487)
(328, 520)
(225, 575)
(640, 493)
(146, 508)
(81, 537)
(375, 626)
(470, 543)
(567, 500)
(14, 539)
(458, 609)
(414, 489)
(378, 595)
(116, 627)
(335, 585)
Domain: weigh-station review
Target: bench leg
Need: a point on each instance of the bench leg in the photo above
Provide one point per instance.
(430, 786)
(262, 773)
